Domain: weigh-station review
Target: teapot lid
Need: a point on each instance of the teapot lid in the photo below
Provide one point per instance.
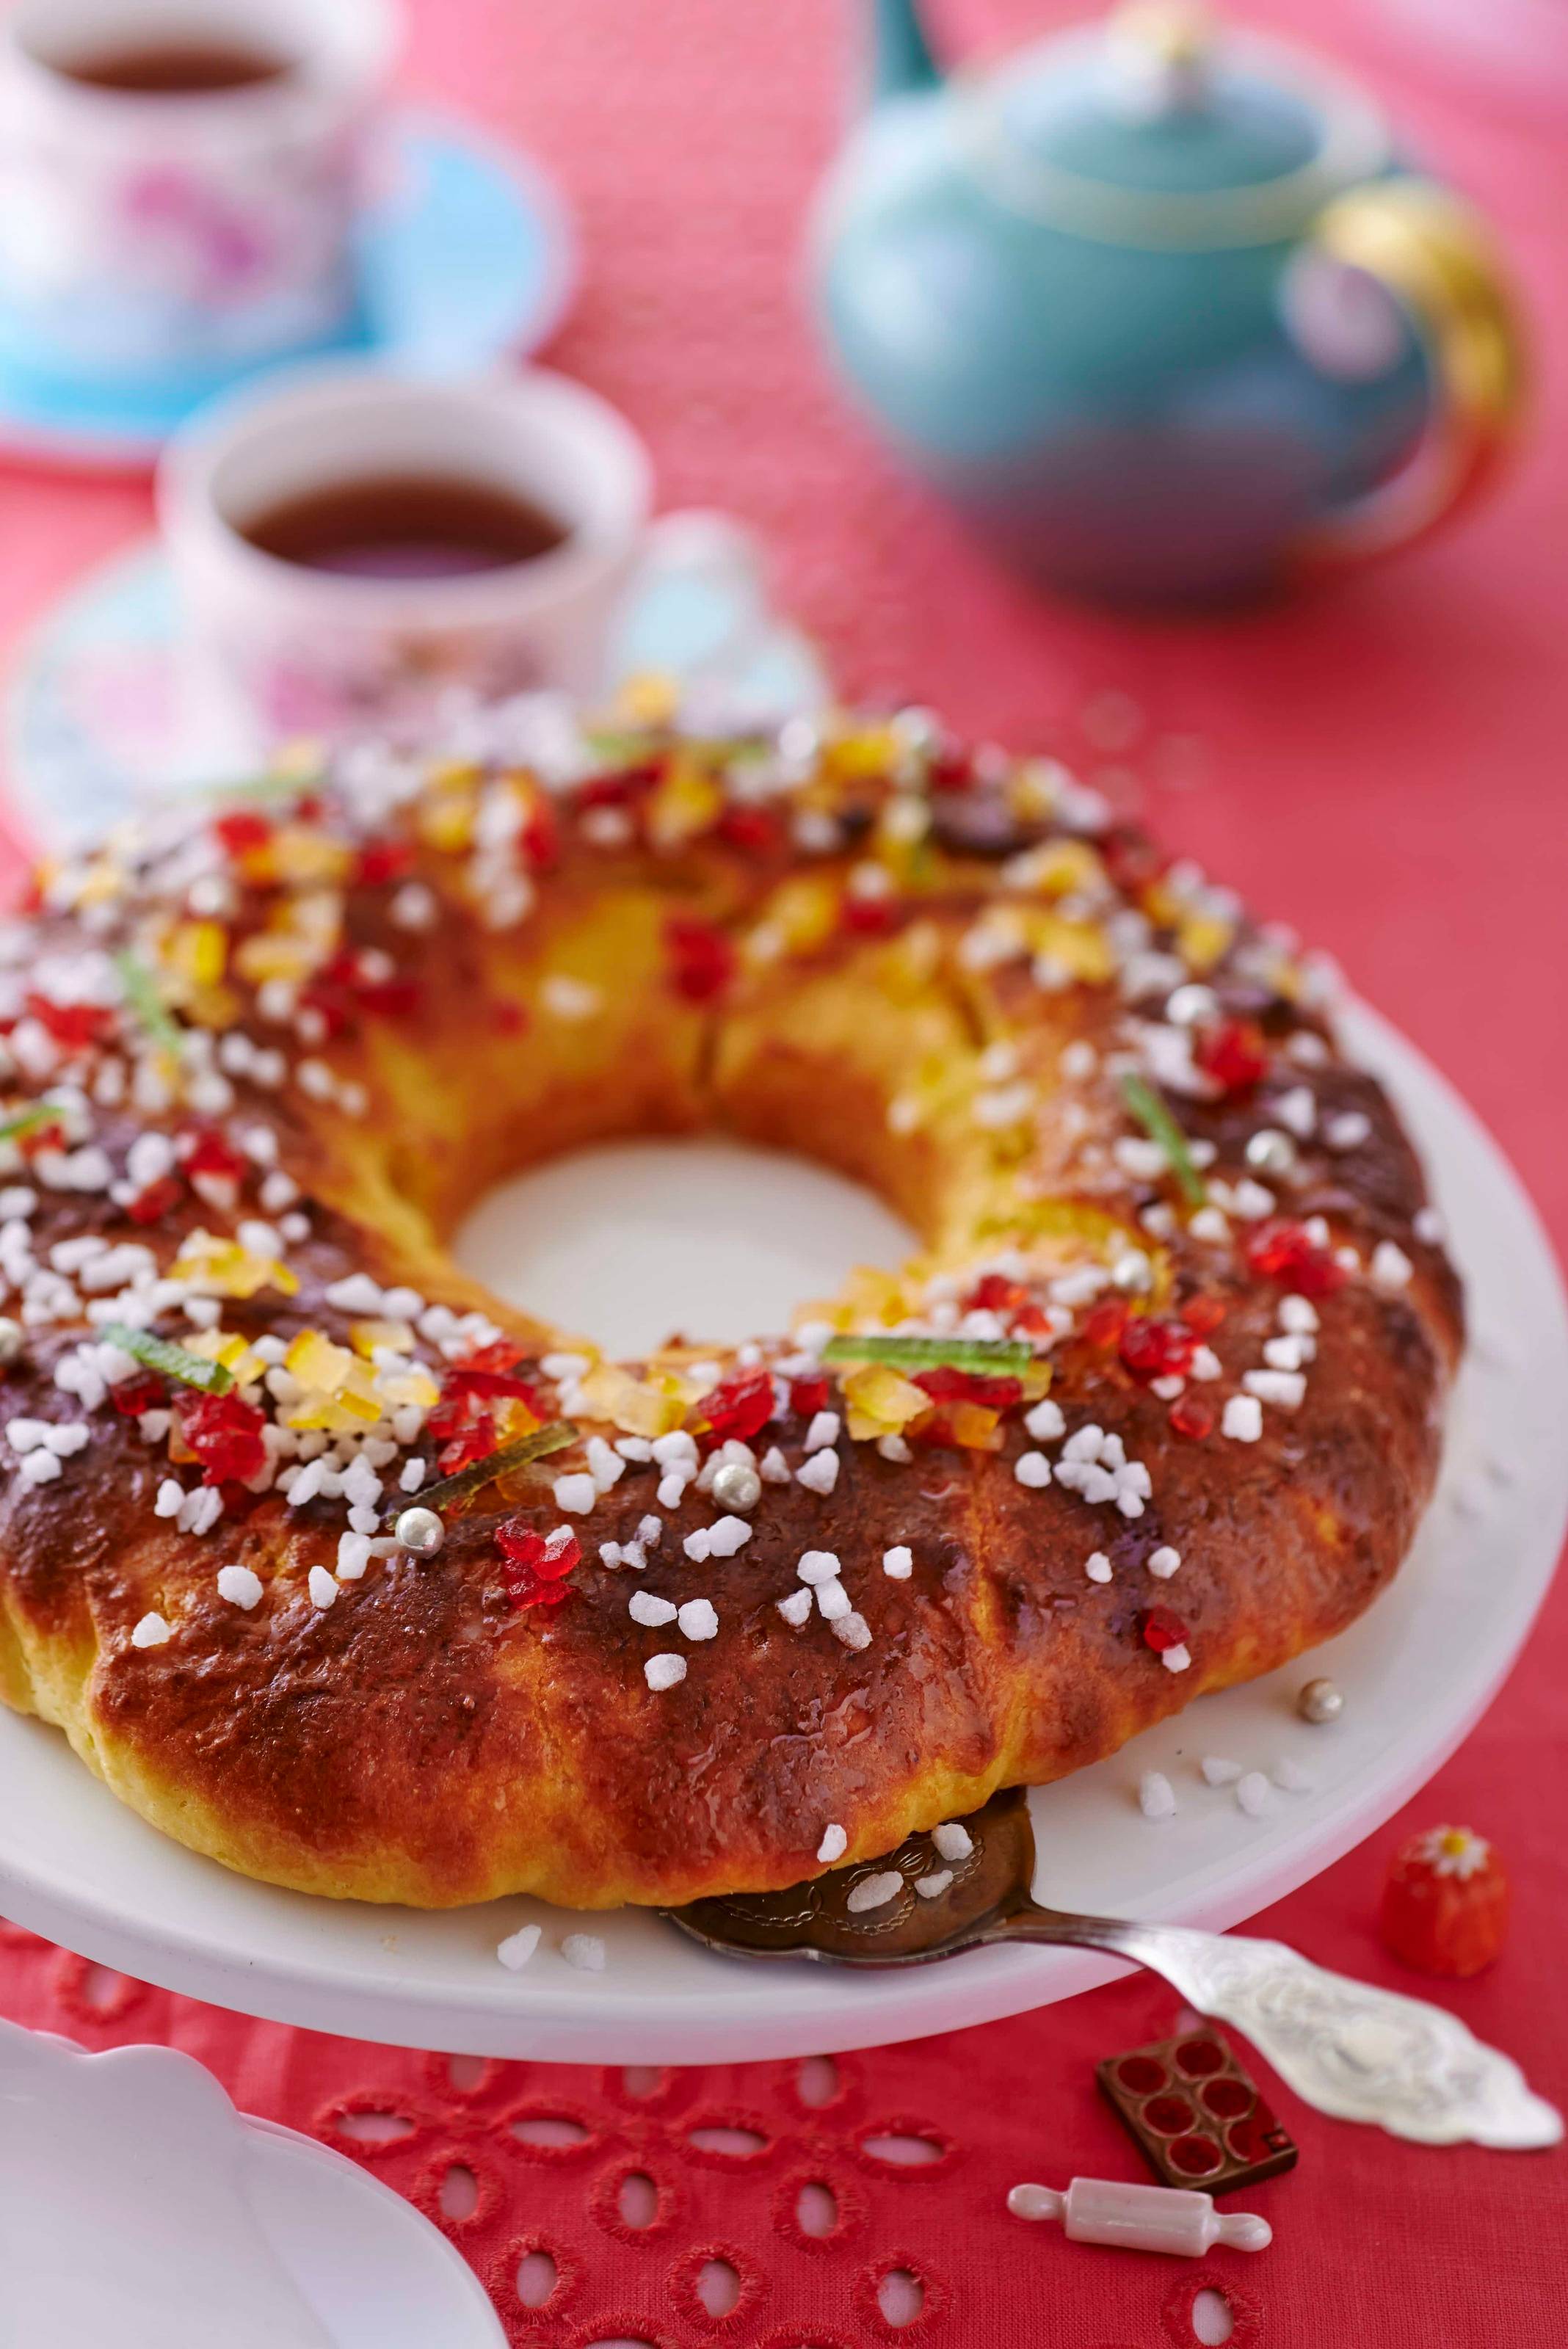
(1156, 127)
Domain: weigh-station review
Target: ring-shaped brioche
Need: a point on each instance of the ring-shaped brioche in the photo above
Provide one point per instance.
(263, 1057)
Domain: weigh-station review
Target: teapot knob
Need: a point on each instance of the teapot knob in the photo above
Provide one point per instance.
(1159, 53)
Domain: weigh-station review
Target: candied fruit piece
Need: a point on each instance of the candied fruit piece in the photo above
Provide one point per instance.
(738, 1407)
(947, 1384)
(225, 1435)
(1103, 1326)
(701, 958)
(1163, 1630)
(1233, 1053)
(1151, 1349)
(1287, 1253)
(1191, 1416)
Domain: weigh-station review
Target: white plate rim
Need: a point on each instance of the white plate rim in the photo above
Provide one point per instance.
(551, 2011)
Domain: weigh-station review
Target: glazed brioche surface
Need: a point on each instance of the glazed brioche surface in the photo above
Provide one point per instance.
(1157, 1406)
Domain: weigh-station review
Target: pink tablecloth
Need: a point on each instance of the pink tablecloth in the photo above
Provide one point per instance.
(1382, 766)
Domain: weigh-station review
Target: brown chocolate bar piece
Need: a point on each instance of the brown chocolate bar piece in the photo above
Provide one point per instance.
(1195, 2116)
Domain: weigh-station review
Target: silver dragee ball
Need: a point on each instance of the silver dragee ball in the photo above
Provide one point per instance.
(1320, 1701)
(736, 1487)
(421, 1531)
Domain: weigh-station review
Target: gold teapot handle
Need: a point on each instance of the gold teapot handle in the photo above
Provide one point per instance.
(1440, 262)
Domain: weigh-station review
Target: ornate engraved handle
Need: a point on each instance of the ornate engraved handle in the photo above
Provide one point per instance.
(1437, 260)
(1361, 2054)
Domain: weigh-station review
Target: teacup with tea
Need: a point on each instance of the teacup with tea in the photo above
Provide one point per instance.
(180, 181)
(353, 549)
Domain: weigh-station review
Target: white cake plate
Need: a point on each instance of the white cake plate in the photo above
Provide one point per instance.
(1416, 1672)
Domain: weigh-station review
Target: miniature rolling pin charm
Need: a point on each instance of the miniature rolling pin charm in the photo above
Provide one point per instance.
(1141, 2217)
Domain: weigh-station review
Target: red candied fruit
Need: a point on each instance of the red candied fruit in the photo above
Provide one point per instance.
(535, 1565)
(1103, 1326)
(214, 1154)
(701, 958)
(382, 861)
(1233, 1054)
(508, 1016)
(389, 998)
(540, 838)
(1157, 1349)
(1134, 863)
(475, 1440)
(945, 1384)
(993, 1293)
(131, 1397)
(1162, 1630)
(951, 771)
(808, 1396)
(1032, 1321)
(75, 1027)
(155, 1200)
(242, 830)
(869, 917)
(621, 785)
(756, 831)
(1192, 1417)
(225, 1435)
(1203, 1315)
(1288, 1253)
(738, 1408)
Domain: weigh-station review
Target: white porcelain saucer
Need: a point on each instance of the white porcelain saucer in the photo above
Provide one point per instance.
(138, 2207)
(97, 723)
(1416, 1672)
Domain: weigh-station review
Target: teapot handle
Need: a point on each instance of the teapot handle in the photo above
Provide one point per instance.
(1438, 261)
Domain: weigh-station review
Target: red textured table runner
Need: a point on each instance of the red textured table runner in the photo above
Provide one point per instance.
(1381, 765)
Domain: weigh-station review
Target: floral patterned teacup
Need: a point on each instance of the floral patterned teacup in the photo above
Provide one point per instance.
(170, 222)
(275, 650)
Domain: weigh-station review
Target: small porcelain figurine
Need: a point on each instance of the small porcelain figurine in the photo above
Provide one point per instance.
(1160, 307)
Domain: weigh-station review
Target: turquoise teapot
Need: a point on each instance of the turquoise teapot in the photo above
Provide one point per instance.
(1159, 307)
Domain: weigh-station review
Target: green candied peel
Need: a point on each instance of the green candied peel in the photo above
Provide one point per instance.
(1160, 1126)
(979, 1354)
(554, 1436)
(147, 1006)
(174, 1361)
(35, 1120)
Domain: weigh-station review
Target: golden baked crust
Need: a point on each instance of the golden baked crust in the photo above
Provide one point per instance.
(934, 971)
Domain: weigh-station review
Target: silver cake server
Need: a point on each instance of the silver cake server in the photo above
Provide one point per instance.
(1358, 2053)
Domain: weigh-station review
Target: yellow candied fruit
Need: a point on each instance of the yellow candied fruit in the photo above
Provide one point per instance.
(870, 751)
(446, 823)
(227, 1347)
(318, 1363)
(196, 952)
(906, 966)
(688, 800)
(303, 854)
(1062, 867)
(803, 912)
(650, 697)
(1201, 939)
(880, 1402)
(273, 954)
(414, 1386)
(1035, 786)
(227, 1270)
(365, 1337)
(1081, 947)
(974, 1426)
(650, 1407)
